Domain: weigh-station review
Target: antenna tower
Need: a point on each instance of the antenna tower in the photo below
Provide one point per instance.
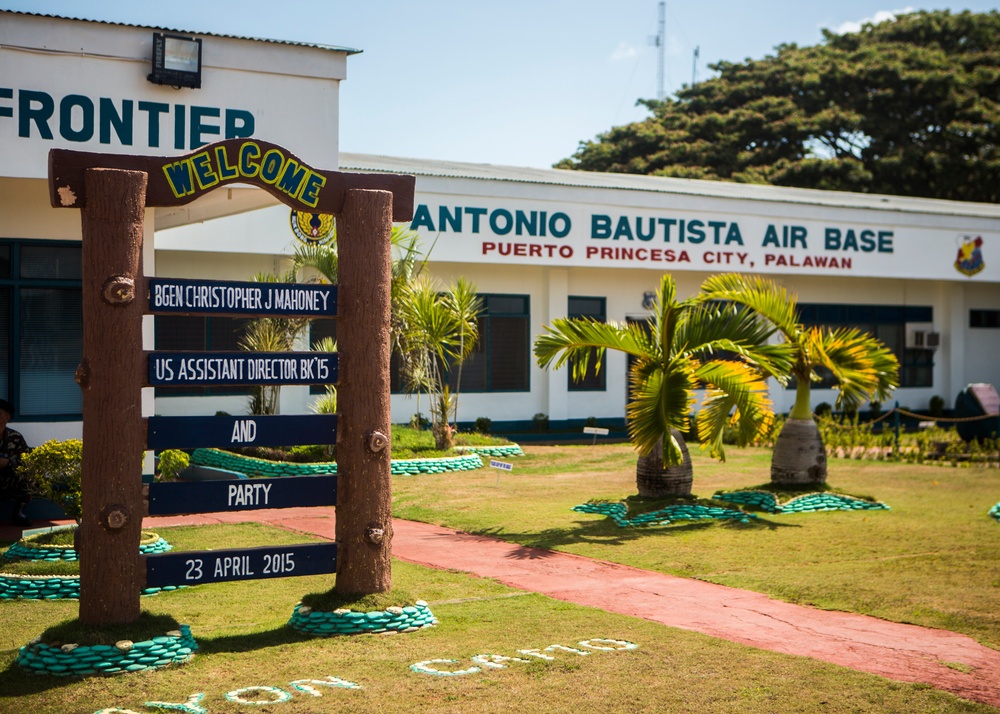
(661, 45)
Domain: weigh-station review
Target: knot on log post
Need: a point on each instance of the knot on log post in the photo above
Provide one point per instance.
(377, 441)
(375, 535)
(114, 517)
(118, 290)
(82, 374)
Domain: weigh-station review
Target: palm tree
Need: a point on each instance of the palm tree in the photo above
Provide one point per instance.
(270, 334)
(863, 367)
(690, 344)
(438, 329)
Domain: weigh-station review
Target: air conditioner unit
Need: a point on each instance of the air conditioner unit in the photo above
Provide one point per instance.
(921, 336)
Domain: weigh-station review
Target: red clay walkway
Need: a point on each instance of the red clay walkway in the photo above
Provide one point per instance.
(901, 652)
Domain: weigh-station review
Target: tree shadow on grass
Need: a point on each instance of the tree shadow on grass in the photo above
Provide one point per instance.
(539, 544)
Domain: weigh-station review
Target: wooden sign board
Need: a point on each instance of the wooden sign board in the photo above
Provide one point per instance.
(595, 430)
(226, 431)
(170, 369)
(169, 296)
(177, 497)
(216, 566)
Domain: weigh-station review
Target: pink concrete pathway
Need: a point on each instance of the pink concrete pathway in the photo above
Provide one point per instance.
(901, 652)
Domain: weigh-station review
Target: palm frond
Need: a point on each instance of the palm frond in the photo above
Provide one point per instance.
(863, 367)
(574, 340)
(775, 303)
(737, 397)
(660, 403)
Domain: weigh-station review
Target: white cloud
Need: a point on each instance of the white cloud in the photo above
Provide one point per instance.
(880, 16)
(623, 51)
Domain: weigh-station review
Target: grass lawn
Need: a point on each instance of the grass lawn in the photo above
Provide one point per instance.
(933, 560)
(245, 647)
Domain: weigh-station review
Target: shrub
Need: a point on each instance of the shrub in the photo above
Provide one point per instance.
(484, 425)
(172, 462)
(541, 421)
(54, 468)
(823, 409)
(936, 406)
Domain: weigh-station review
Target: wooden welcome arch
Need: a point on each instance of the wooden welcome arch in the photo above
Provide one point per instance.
(112, 191)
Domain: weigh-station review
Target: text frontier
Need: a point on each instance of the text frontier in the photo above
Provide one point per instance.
(209, 168)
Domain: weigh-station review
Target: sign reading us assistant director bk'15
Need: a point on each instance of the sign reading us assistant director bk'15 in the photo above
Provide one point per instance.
(241, 368)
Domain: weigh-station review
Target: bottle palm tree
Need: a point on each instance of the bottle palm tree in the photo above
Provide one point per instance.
(863, 367)
(690, 345)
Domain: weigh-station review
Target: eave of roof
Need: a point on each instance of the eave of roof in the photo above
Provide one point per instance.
(330, 48)
(662, 184)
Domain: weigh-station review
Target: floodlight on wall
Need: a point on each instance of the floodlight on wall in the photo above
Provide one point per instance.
(176, 61)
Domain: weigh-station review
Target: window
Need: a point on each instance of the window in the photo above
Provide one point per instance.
(501, 360)
(41, 328)
(885, 322)
(984, 318)
(595, 380)
(199, 334)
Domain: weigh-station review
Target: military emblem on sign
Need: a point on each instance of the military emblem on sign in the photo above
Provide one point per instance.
(970, 255)
(312, 228)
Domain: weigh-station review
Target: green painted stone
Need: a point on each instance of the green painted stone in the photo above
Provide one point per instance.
(135, 667)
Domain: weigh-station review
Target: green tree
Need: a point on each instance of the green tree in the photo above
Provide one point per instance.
(690, 344)
(907, 107)
(862, 366)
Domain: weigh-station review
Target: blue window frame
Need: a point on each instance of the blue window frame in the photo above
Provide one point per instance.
(501, 361)
(596, 379)
(41, 336)
(885, 322)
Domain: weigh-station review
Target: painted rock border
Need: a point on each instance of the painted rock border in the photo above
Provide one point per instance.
(349, 622)
(73, 660)
(618, 512)
(25, 549)
(806, 503)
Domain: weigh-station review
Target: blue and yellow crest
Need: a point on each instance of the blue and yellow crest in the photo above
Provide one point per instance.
(970, 255)
(313, 228)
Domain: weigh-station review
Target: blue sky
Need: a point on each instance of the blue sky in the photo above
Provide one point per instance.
(520, 82)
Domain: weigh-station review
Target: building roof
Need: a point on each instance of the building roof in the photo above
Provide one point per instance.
(661, 184)
(332, 48)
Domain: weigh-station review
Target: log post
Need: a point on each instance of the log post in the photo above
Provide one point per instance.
(111, 377)
(364, 486)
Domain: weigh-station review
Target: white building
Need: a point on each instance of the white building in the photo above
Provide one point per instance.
(921, 274)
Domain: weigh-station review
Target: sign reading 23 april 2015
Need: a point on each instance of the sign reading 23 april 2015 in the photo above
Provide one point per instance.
(214, 566)
(241, 368)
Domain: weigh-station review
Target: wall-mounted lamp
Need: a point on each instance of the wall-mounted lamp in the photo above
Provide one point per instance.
(176, 61)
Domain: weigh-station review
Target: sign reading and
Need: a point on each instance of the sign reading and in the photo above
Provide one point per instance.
(248, 430)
